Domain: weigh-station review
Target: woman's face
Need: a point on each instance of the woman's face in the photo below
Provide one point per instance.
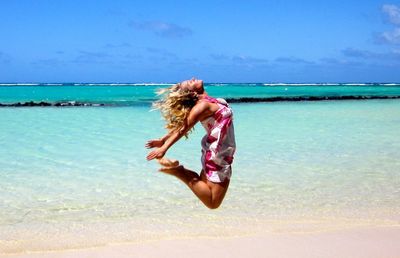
(193, 85)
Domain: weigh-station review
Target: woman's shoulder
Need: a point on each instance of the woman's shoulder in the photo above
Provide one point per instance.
(213, 100)
(205, 107)
(222, 101)
(200, 107)
(218, 101)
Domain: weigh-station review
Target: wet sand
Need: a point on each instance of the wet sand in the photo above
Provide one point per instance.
(354, 243)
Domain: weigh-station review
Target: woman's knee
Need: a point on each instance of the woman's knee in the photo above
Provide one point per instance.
(213, 206)
(214, 203)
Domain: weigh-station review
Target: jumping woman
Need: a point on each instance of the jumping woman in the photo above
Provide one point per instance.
(182, 106)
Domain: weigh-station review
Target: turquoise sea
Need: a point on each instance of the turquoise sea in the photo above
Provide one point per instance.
(77, 176)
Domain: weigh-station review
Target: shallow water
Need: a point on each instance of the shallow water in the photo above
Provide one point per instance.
(77, 177)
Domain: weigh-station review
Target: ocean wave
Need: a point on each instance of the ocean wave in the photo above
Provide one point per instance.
(331, 84)
(217, 84)
(290, 84)
(355, 84)
(20, 84)
(121, 84)
(151, 84)
(299, 84)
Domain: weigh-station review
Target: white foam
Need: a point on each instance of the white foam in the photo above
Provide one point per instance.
(354, 84)
(329, 84)
(122, 84)
(292, 84)
(19, 84)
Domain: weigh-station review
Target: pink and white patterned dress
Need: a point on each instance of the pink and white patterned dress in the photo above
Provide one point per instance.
(218, 145)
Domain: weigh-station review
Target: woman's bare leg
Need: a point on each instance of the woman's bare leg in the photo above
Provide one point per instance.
(211, 194)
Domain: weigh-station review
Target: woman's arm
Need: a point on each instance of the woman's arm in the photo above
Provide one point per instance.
(194, 116)
(165, 137)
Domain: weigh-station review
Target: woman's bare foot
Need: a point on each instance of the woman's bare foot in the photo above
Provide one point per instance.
(175, 171)
(168, 163)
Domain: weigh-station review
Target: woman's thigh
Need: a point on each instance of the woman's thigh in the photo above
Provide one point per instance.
(218, 189)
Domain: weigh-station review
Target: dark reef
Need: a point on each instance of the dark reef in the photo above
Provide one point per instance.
(49, 104)
(230, 100)
(306, 98)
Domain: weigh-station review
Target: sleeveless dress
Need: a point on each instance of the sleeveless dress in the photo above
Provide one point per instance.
(218, 145)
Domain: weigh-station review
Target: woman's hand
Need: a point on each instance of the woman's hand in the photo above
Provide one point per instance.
(156, 154)
(154, 143)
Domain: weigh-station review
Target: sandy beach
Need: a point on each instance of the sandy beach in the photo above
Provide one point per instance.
(354, 243)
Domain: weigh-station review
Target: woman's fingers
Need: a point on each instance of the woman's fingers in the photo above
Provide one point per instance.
(152, 155)
(150, 144)
(153, 143)
(158, 153)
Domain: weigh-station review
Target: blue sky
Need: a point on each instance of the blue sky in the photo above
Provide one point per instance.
(217, 41)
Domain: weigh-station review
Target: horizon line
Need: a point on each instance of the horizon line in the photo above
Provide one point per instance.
(158, 83)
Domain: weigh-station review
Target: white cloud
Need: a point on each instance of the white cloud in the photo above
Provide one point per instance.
(240, 59)
(383, 57)
(393, 13)
(162, 29)
(391, 36)
(293, 60)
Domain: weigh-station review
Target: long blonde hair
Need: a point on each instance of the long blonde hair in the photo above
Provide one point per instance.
(175, 105)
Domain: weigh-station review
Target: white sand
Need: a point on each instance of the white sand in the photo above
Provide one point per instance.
(370, 242)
